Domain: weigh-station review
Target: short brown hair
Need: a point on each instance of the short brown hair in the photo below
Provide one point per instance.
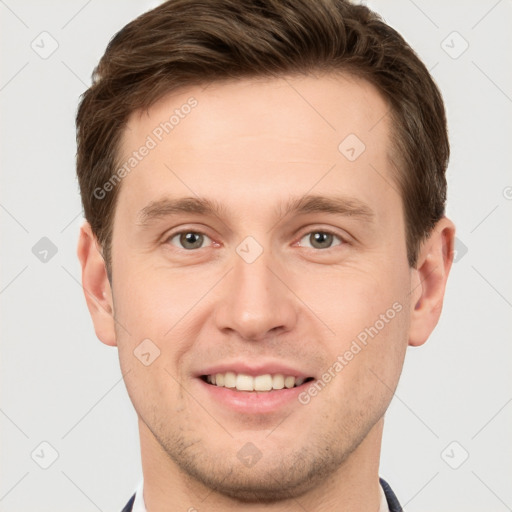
(192, 42)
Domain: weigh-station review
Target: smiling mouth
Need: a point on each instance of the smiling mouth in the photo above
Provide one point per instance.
(244, 382)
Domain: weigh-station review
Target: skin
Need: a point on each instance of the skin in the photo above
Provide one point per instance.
(252, 145)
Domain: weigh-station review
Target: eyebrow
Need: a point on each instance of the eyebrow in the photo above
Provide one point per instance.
(335, 205)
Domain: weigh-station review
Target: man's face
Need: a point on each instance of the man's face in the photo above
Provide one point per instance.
(254, 290)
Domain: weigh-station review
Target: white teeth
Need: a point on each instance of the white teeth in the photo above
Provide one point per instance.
(289, 382)
(243, 382)
(263, 383)
(278, 381)
(229, 380)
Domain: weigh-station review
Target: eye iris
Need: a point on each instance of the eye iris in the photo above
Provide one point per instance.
(191, 240)
(319, 239)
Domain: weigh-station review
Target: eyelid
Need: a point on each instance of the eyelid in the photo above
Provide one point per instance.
(322, 229)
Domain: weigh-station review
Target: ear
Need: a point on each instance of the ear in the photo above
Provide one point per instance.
(96, 286)
(428, 281)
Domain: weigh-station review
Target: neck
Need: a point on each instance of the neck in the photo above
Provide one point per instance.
(353, 487)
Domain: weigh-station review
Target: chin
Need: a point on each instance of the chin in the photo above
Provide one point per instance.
(273, 478)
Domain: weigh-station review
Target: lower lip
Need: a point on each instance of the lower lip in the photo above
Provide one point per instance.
(254, 402)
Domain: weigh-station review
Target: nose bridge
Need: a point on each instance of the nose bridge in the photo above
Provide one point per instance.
(256, 301)
(254, 281)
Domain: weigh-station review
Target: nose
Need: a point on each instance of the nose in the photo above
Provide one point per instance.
(257, 301)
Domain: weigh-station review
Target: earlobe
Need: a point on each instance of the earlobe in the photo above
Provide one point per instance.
(96, 286)
(428, 282)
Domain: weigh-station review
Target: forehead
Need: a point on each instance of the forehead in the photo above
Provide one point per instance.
(329, 105)
(245, 140)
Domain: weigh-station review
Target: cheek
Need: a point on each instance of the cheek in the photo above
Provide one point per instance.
(367, 360)
(158, 320)
(152, 338)
(351, 298)
(367, 312)
(152, 301)
(153, 390)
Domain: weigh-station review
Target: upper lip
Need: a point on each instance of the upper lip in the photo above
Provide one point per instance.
(254, 369)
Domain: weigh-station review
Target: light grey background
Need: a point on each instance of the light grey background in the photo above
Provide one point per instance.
(61, 386)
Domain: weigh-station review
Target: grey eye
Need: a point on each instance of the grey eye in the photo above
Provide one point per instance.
(320, 239)
(188, 240)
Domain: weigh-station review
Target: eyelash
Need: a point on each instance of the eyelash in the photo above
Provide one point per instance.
(342, 240)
